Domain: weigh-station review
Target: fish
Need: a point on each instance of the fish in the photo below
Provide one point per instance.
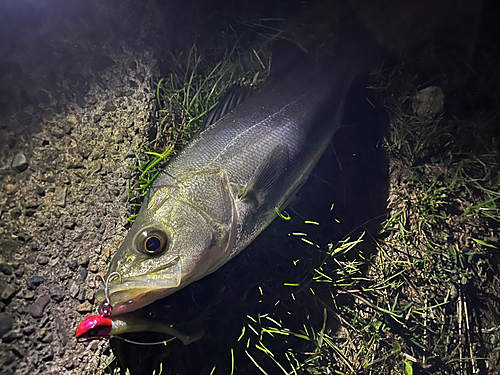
(228, 183)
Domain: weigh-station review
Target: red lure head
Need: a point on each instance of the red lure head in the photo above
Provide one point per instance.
(94, 327)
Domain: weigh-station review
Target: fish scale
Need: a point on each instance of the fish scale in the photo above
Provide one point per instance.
(224, 187)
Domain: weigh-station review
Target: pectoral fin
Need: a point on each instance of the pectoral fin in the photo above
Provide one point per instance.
(266, 175)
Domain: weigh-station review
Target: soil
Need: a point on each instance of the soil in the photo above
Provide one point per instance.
(77, 94)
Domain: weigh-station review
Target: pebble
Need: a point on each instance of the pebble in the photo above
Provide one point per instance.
(29, 330)
(10, 189)
(29, 295)
(84, 273)
(6, 269)
(61, 196)
(34, 281)
(93, 268)
(20, 163)
(73, 290)
(8, 292)
(11, 337)
(36, 309)
(34, 247)
(97, 118)
(56, 293)
(42, 259)
(50, 180)
(81, 295)
(70, 225)
(84, 307)
(84, 261)
(73, 264)
(40, 191)
(97, 223)
(6, 324)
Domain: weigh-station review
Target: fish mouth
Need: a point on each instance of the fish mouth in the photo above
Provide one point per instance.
(132, 293)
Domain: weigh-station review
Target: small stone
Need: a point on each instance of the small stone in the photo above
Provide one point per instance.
(73, 290)
(84, 261)
(109, 107)
(19, 272)
(48, 354)
(57, 132)
(73, 264)
(34, 247)
(93, 268)
(36, 309)
(42, 259)
(10, 189)
(67, 128)
(6, 324)
(97, 118)
(61, 196)
(97, 223)
(20, 162)
(81, 295)
(34, 281)
(40, 191)
(11, 337)
(48, 338)
(29, 330)
(55, 293)
(6, 269)
(85, 307)
(29, 295)
(50, 180)
(84, 273)
(8, 291)
(428, 102)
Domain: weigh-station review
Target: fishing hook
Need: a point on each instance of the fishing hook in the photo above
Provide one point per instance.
(106, 307)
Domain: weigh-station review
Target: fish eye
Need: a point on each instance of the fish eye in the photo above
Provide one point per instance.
(153, 241)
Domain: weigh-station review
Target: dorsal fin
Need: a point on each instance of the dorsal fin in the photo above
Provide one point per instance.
(233, 97)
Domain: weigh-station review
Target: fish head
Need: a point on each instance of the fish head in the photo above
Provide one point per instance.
(183, 233)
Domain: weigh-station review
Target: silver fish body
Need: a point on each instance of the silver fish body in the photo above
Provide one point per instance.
(223, 188)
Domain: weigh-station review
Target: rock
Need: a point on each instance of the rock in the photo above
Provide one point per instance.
(6, 269)
(34, 247)
(56, 293)
(10, 189)
(48, 338)
(29, 295)
(93, 268)
(81, 295)
(85, 307)
(42, 259)
(57, 132)
(84, 273)
(36, 309)
(84, 261)
(73, 264)
(109, 107)
(6, 324)
(97, 118)
(29, 330)
(61, 196)
(20, 163)
(40, 191)
(97, 223)
(50, 179)
(8, 291)
(73, 290)
(34, 281)
(428, 102)
(11, 337)
(47, 354)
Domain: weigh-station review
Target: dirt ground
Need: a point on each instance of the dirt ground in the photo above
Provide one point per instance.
(77, 93)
